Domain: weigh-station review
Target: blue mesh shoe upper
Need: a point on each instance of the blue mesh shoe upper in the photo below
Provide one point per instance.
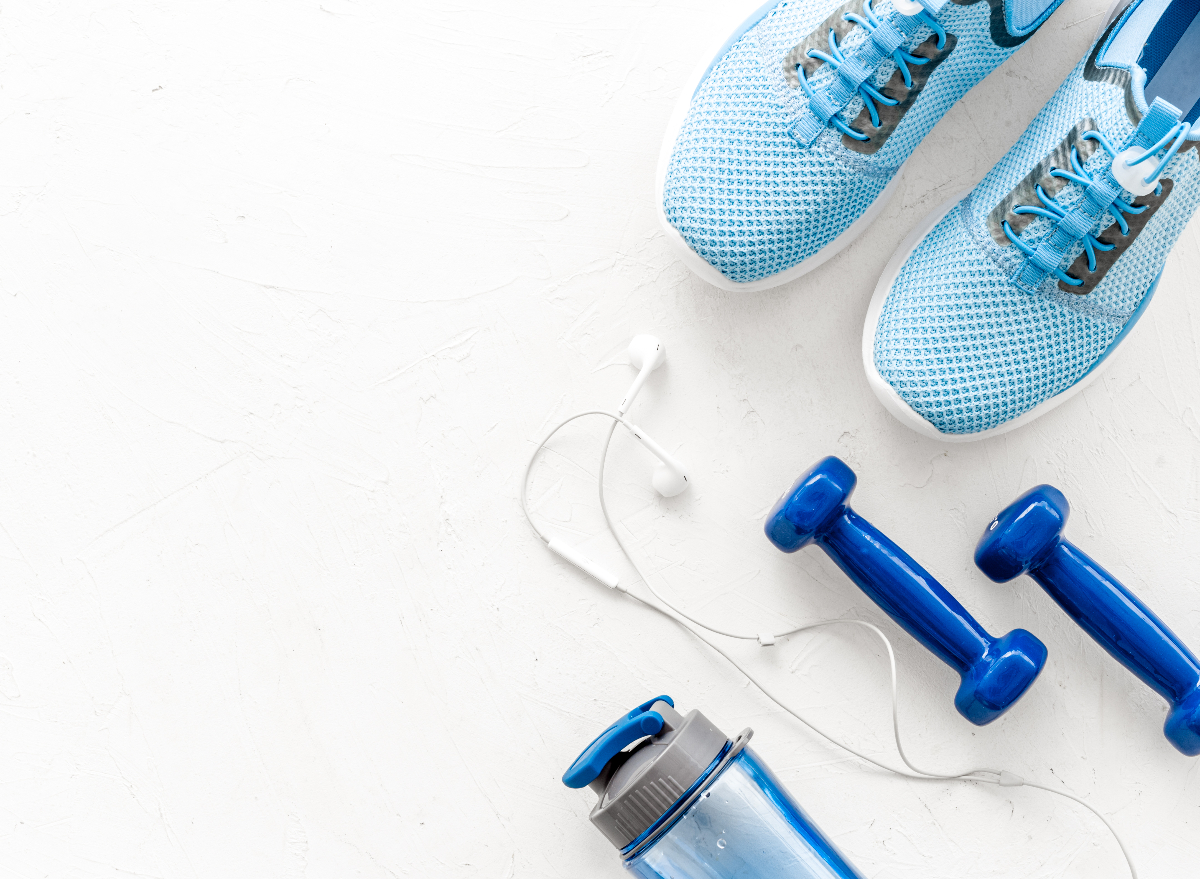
(763, 175)
(1026, 285)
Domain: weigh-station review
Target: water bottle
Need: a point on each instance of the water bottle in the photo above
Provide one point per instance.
(689, 803)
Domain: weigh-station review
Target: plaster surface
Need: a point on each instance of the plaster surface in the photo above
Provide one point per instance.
(291, 291)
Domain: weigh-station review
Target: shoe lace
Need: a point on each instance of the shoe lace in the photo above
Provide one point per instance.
(1049, 257)
(855, 70)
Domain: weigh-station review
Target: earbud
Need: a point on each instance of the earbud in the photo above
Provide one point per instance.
(670, 476)
(647, 354)
(669, 480)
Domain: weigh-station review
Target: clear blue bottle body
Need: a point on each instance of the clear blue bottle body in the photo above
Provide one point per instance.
(745, 825)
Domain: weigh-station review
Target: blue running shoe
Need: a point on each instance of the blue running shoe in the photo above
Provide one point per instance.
(1007, 301)
(790, 141)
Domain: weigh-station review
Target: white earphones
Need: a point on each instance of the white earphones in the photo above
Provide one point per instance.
(670, 476)
(646, 354)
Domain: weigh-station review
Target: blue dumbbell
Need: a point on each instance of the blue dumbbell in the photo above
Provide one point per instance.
(1027, 539)
(995, 671)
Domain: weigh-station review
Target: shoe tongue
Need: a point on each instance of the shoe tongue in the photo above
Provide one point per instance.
(1124, 48)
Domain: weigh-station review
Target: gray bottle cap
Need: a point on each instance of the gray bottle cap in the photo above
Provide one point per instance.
(639, 786)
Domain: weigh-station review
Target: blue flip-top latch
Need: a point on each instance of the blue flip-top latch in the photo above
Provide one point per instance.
(638, 723)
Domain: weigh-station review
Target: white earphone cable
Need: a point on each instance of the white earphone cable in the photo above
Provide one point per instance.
(676, 612)
(665, 608)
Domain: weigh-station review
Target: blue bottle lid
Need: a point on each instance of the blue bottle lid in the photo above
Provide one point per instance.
(621, 733)
(639, 786)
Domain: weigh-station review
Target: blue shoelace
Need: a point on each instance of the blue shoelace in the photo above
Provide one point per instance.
(854, 70)
(1101, 196)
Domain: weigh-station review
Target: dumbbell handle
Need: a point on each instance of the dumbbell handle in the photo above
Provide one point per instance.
(905, 590)
(1119, 621)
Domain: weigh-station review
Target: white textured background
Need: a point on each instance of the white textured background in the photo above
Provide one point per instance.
(290, 290)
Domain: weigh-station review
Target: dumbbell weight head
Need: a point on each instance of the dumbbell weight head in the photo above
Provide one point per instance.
(813, 501)
(1182, 728)
(993, 684)
(1023, 534)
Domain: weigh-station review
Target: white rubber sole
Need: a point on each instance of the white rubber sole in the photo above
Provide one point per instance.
(698, 264)
(887, 395)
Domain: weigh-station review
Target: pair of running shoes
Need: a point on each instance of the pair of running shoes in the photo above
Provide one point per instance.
(1005, 300)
